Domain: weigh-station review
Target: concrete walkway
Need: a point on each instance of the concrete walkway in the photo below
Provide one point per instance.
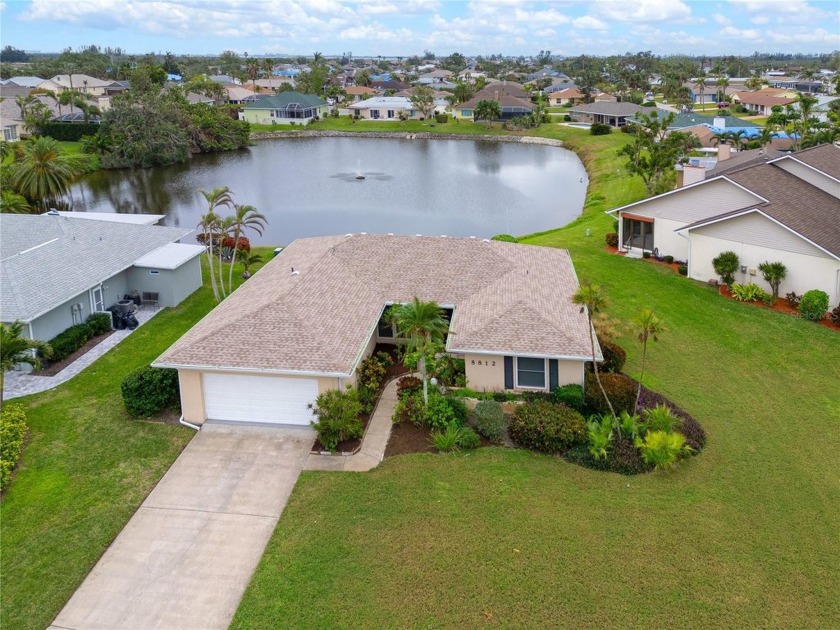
(374, 441)
(184, 559)
(19, 383)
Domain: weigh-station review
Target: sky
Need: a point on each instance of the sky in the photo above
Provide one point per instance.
(409, 27)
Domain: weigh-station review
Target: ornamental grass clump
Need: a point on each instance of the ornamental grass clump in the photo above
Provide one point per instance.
(662, 449)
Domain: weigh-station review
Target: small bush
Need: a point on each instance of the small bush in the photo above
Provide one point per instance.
(547, 427)
(439, 412)
(449, 371)
(750, 292)
(628, 425)
(793, 299)
(501, 396)
(620, 389)
(611, 238)
(441, 118)
(408, 385)
(834, 315)
(410, 408)
(490, 419)
(100, 323)
(683, 270)
(567, 117)
(67, 342)
(726, 264)
(622, 458)
(662, 449)
(446, 438)
(600, 129)
(814, 304)
(570, 395)
(505, 238)
(12, 433)
(148, 391)
(468, 439)
(459, 408)
(599, 435)
(668, 259)
(337, 412)
(369, 377)
(660, 418)
(614, 357)
(646, 255)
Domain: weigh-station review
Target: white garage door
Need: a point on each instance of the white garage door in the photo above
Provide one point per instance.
(259, 398)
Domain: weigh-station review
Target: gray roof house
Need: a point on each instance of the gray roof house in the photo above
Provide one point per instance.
(285, 108)
(55, 270)
(607, 113)
(293, 331)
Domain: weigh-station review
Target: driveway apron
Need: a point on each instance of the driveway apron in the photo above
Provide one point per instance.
(185, 557)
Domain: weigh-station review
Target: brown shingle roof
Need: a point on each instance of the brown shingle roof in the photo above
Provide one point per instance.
(507, 298)
(757, 98)
(825, 158)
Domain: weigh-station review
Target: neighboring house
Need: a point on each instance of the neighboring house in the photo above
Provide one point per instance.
(357, 93)
(296, 334)
(82, 83)
(785, 209)
(603, 97)
(563, 97)
(275, 83)
(14, 127)
(612, 114)
(798, 85)
(558, 86)
(285, 108)
(823, 106)
(513, 100)
(389, 108)
(435, 77)
(710, 91)
(30, 82)
(57, 269)
(761, 104)
(238, 95)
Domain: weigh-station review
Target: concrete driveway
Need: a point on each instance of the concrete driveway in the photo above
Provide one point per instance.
(184, 559)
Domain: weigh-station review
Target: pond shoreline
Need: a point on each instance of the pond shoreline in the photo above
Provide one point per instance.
(402, 135)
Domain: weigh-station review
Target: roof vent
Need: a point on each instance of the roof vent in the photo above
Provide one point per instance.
(418, 235)
(53, 212)
(485, 240)
(348, 235)
(472, 237)
(363, 233)
(295, 272)
(390, 233)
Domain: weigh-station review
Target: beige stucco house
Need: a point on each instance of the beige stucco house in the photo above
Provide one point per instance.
(302, 325)
(784, 209)
(82, 83)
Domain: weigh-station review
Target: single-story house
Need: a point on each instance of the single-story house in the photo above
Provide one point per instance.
(562, 97)
(435, 76)
(711, 91)
(23, 81)
(11, 119)
(284, 108)
(389, 108)
(358, 93)
(238, 95)
(274, 83)
(295, 334)
(57, 269)
(612, 114)
(759, 103)
(511, 106)
(785, 209)
(811, 87)
(82, 83)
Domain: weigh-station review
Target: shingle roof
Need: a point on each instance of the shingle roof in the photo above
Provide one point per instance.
(284, 99)
(47, 260)
(507, 298)
(613, 109)
(825, 158)
(757, 98)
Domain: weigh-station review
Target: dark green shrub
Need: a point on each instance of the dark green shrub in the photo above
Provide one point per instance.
(622, 458)
(410, 408)
(12, 433)
(814, 304)
(67, 342)
(668, 259)
(620, 389)
(490, 419)
(648, 104)
(646, 255)
(611, 238)
(834, 315)
(68, 132)
(100, 323)
(501, 396)
(538, 396)
(468, 439)
(506, 238)
(600, 129)
(547, 427)
(683, 270)
(726, 264)
(570, 395)
(408, 385)
(449, 371)
(148, 391)
(441, 118)
(337, 412)
(459, 408)
(567, 117)
(439, 412)
(614, 357)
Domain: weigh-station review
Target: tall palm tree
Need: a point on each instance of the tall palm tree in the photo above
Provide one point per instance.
(15, 348)
(765, 136)
(722, 83)
(224, 226)
(487, 110)
(209, 224)
(420, 324)
(244, 218)
(700, 86)
(648, 327)
(591, 300)
(13, 203)
(44, 173)
(253, 69)
(25, 104)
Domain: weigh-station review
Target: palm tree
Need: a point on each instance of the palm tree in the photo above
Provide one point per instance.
(244, 218)
(25, 104)
(773, 273)
(722, 83)
(420, 324)
(224, 227)
(253, 69)
(13, 203)
(765, 136)
(648, 326)
(487, 110)
(209, 225)
(700, 86)
(44, 173)
(591, 300)
(15, 348)
(247, 260)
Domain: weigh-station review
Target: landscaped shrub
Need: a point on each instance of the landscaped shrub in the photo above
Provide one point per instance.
(501, 396)
(600, 129)
(570, 395)
(490, 419)
(67, 342)
(446, 438)
(440, 412)
(505, 238)
(814, 304)
(834, 315)
(668, 259)
(661, 449)
(337, 412)
(660, 418)
(614, 357)
(567, 117)
(100, 323)
(468, 439)
(726, 264)
(449, 371)
(611, 238)
(441, 118)
(773, 274)
(547, 427)
(793, 299)
(693, 433)
(409, 385)
(750, 292)
(688, 426)
(622, 458)
(68, 132)
(620, 389)
(459, 408)
(646, 255)
(12, 433)
(599, 434)
(369, 376)
(148, 391)
(683, 270)
(410, 408)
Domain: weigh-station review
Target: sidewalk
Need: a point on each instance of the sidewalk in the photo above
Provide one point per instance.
(19, 383)
(374, 442)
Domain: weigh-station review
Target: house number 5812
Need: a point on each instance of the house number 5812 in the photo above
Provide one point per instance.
(489, 363)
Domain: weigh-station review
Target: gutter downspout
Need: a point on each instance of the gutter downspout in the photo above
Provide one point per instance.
(188, 424)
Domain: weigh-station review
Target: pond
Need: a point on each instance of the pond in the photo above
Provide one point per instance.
(309, 187)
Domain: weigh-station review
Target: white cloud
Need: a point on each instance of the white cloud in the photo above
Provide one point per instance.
(804, 37)
(760, 19)
(721, 19)
(644, 11)
(740, 33)
(549, 17)
(589, 23)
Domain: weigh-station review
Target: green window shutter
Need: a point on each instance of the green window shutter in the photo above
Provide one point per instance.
(553, 380)
(508, 372)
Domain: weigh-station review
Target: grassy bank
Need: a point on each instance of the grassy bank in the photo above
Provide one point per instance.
(86, 469)
(345, 123)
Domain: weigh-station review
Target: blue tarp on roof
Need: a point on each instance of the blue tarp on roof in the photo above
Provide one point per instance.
(748, 132)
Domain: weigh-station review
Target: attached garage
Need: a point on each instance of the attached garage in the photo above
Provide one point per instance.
(269, 399)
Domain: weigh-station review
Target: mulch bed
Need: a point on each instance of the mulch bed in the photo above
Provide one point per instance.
(674, 266)
(54, 367)
(780, 306)
(407, 438)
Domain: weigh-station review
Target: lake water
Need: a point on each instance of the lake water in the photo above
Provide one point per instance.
(308, 187)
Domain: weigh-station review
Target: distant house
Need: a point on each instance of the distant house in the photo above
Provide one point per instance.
(612, 114)
(710, 91)
(566, 96)
(760, 103)
(284, 108)
(359, 92)
(512, 99)
(238, 95)
(785, 209)
(811, 87)
(14, 127)
(435, 76)
(30, 82)
(389, 108)
(274, 83)
(82, 83)
(57, 268)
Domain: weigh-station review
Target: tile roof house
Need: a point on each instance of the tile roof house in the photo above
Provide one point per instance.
(302, 324)
(561, 97)
(56, 269)
(607, 113)
(284, 108)
(774, 208)
(513, 100)
(389, 108)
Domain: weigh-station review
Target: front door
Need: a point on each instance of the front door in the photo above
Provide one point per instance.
(98, 300)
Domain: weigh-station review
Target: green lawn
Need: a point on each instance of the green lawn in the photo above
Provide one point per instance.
(345, 123)
(745, 535)
(86, 469)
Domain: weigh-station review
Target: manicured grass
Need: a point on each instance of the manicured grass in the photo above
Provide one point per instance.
(345, 123)
(745, 535)
(86, 469)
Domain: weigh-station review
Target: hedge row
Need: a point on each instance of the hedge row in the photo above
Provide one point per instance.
(12, 433)
(69, 132)
(148, 391)
(67, 342)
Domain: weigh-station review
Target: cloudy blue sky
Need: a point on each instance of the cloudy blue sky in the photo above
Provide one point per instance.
(405, 27)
